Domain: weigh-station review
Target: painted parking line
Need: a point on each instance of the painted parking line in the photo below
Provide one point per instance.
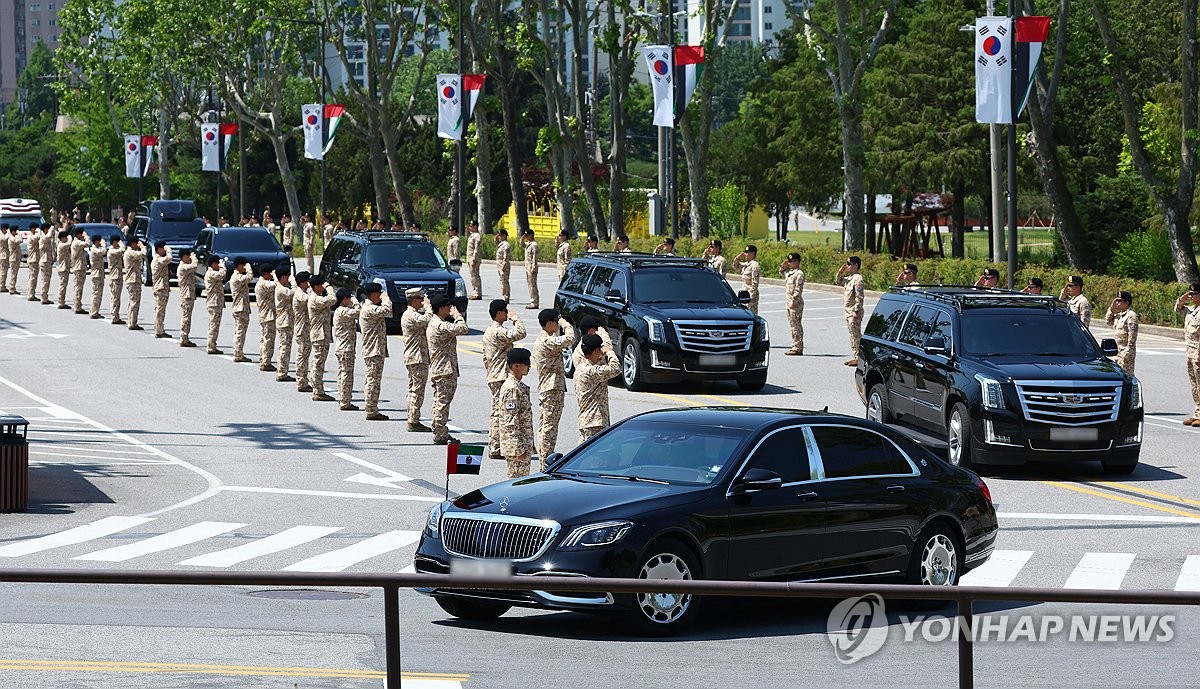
(421, 680)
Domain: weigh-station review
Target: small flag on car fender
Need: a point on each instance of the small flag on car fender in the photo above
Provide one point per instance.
(463, 459)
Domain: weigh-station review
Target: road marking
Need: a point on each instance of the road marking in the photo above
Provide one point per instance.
(52, 444)
(340, 559)
(326, 493)
(1100, 571)
(1189, 576)
(155, 544)
(425, 680)
(1098, 518)
(673, 398)
(1000, 569)
(411, 569)
(386, 482)
(726, 400)
(290, 538)
(1152, 493)
(80, 534)
(123, 460)
(1119, 498)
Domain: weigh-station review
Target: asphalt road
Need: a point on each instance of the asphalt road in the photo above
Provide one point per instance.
(148, 456)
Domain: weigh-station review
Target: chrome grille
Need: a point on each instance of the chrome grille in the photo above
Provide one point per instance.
(510, 538)
(433, 289)
(714, 337)
(1069, 403)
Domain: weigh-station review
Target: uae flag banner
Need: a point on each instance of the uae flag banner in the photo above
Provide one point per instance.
(1030, 34)
(464, 459)
(659, 63)
(312, 117)
(689, 65)
(993, 70)
(133, 155)
(329, 124)
(228, 130)
(449, 93)
(472, 85)
(149, 145)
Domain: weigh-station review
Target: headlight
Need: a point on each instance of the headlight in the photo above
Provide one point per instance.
(435, 518)
(764, 333)
(657, 332)
(596, 535)
(460, 287)
(1135, 395)
(992, 393)
(381, 282)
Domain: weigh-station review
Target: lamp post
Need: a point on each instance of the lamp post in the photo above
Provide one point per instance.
(22, 102)
(666, 139)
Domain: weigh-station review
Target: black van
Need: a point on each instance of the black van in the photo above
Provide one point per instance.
(173, 222)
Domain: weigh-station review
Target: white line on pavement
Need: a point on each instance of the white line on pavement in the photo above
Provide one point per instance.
(1189, 576)
(297, 535)
(1098, 518)
(327, 493)
(171, 539)
(1000, 569)
(102, 458)
(80, 534)
(395, 476)
(340, 559)
(1102, 571)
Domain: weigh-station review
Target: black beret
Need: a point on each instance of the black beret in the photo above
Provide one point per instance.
(590, 343)
(303, 276)
(1035, 282)
(991, 272)
(214, 259)
(497, 306)
(547, 316)
(1125, 296)
(97, 238)
(588, 323)
(3, 226)
(344, 293)
(438, 302)
(316, 280)
(160, 245)
(115, 238)
(63, 234)
(239, 260)
(855, 260)
(518, 355)
(751, 249)
(373, 288)
(283, 269)
(185, 252)
(1195, 288)
(1075, 280)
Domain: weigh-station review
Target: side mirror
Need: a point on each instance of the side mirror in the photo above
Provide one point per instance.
(758, 479)
(552, 458)
(614, 296)
(1108, 347)
(936, 345)
(455, 265)
(743, 297)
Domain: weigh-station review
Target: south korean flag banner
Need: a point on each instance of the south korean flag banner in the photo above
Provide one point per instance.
(133, 155)
(993, 70)
(210, 147)
(311, 116)
(660, 64)
(450, 108)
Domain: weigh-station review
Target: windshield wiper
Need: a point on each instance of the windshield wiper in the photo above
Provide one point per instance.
(703, 301)
(636, 479)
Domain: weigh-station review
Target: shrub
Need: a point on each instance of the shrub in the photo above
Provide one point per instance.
(1144, 255)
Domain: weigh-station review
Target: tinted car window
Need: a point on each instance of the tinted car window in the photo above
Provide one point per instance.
(675, 285)
(618, 284)
(1026, 334)
(353, 254)
(848, 452)
(601, 279)
(886, 319)
(661, 451)
(917, 327)
(403, 255)
(941, 327)
(576, 277)
(246, 242)
(334, 253)
(785, 453)
(202, 238)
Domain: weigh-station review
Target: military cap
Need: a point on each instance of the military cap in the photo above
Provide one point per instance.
(590, 343)
(239, 260)
(160, 245)
(344, 293)
(266, 268)
(214, 259)
(496, 307)
(3, 226)
(1075, 280)
(303, 276)
(438, 302)
(411, 293)
(372, 288)
(1195, 288)
(751, 249)
(519, 355)
(1124, 296)
(117, 238)
(97, 239)
(589, 323)
(793, 256)
(854, 260)
(63, 234)
(991, 272)
(185, 252)
(1035, 282)
(316, 280)
(547, 316)
(283, 269)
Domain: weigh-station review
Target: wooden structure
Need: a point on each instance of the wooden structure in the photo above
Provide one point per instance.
(913, 235)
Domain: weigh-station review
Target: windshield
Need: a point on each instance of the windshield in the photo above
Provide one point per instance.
(669, 452)
(403, 255)
(23, 222)
(1026, 334)
(688, 285)
(245, 242)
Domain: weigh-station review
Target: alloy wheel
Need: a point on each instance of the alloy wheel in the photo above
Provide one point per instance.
(954, 438)
(939, 561)
(664, 608)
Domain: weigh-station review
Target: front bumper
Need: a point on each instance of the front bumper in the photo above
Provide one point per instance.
(1007, 438)
(664, 362)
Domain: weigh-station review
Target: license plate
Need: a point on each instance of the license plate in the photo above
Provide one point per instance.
(1074, 434)
(480, 569)
(718, 359)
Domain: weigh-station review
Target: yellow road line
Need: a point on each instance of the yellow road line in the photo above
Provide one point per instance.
(1153, 493)
(725, 400)
(673, 398)
(470, 351)
(243, 670)
(471, 343)
(1119, 498)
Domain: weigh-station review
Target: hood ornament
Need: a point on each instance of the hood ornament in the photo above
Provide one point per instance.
(504, 504)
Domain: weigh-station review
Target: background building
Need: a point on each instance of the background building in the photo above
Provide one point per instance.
(22, 24)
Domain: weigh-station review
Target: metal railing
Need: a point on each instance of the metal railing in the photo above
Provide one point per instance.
(963, 596)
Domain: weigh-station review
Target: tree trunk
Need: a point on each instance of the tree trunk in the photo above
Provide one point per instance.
(279, 144)
(696, 154)
(378, 170)
(512, 151)
(390, 143)
(1179, 232)
(958, 218)
(483, 172)
(164, 145)
(1054, 183)
(869, 229)
(853, 160)
(560, 163)
(455, 182)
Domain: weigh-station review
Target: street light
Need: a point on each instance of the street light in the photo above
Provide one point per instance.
(22, 102)
(666, 142)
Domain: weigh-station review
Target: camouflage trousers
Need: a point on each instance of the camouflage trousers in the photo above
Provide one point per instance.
(517, 468)
(550, 406)
(303, 353)
(443, 394)
(1124, 359)
(63, 278)
(585, 433)
(134, 289)
(80, 278)
(795, 315)
(47, 271)
(418, 374)
(854, 327)
(316, 366)
(284, 360)
(505, 287)
(241, 323)
(4, 268)
(345, 380)
(753, 304)
(476, 281)
(1193, 369)
(531, 283)
(310, 254)
(114, 290)
(186, 305)
(160, 310)
(266, 343)
(34, 273)
(97, 295)
(214, 326)
(374, 365)
(14, 267)
(494, 419)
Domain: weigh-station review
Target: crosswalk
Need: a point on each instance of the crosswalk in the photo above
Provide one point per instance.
(1096, 571)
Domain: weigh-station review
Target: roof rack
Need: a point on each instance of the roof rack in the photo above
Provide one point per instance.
(961, 296)
(644, 259)
(371, 235)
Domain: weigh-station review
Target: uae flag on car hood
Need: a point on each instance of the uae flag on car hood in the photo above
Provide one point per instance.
(689, 65)
(464, 459)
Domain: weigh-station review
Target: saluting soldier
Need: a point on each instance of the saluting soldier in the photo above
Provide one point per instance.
(562, 253)
(214, 294)
(793, 289)
(747, 264)
(116, 276)
(79, 266)
(453, 244)
(345, 320)
(1034, 286)
(989, 278)
(503, 263)
(63, 266)
(284, 320)
(4, 257)
(1188, 306)
(289, 235)
(556, 336)
(908, 276)
(497, 340)
(516, 415)
(622, 244)
(1072, 293)
(372, 321)
(49, 250)
(34, 259)
(531, 268)
(715, 259)
(308, 233)
(320, 332)
(591, 245)
(414, 325)
(185, 274)
(300, 323)
(96, 253)
(1124, 321)
(444, 330)
(474, 260)
(135, 259)
(239, 291)
(264, 297)
(593, 370)
(14, 257)
(853, 295)
(666, 247)
(588, 325)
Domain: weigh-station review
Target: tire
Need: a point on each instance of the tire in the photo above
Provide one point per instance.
(752, 385)
(939, 542)
(958, 436)
(665, 614)
(465, 609)
(631, 366)
(568, 362)
(877, 404)
(1119, 469)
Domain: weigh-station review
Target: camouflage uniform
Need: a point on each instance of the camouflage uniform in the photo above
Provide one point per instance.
(264, 297)
(852, 301)
(320, 331)
(591, 389)
(719, 264)
(303, 337)
(160, 275)
(497, 341)
(414, 325)
(1080, 306)
(34, 259)
(453, 251)
(79, 266)
(214, 293)
(1125, 330)
(751, 273)
(14, 260)
(116, 278)
(504, 267)
(552, 384)
(345, 319)
(516, 426)
(49, 240)
(562, 259)
(283, 328)
(1191, 341)
(443, 369)
(531, 273)
(309, 238)
(793, 288)
(474, 260)
(4, 260)
(63, 266)
(186, 275)
(239, 292)
(96, 254)
(135, 259)
(372, 321)
(289, 240)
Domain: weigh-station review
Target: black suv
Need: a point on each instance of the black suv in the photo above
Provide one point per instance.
(671, 319)
(395, 260)
(172, 222)
(255, 244)
(1006, 377)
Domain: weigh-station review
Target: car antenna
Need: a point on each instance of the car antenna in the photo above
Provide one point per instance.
(826, 409)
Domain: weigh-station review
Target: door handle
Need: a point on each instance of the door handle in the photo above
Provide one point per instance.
(895, 489)
(805, 497)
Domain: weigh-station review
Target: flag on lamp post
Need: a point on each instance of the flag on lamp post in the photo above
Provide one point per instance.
(210, 147)
(149, 145)
(311, 115)
(659, 62)
(133, 155)
(993, 70)
(329, 124)
(689, 65)
(472, 85)
(228, 129)
(1029, 34)
(449, 92)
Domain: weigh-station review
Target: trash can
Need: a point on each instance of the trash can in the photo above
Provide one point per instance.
(14, 463)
